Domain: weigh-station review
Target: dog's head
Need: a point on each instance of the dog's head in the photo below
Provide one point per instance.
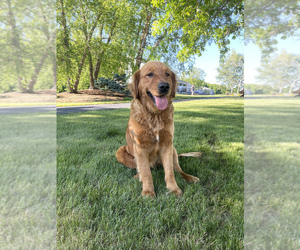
(154, 85)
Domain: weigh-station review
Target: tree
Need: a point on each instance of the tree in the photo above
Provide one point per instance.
(281, 71)
(77, 21)
(196, 24)
(102, 38)
(231, 71)
(267, 21)
(195, 77)
(27, 38)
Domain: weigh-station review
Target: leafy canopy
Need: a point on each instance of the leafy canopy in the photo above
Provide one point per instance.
(269, 21)
(197, 24)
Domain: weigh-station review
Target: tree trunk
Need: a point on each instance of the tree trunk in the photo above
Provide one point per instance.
(80, 67)
(292, 86)
(97, 67)
(54, 71)
(37, 70)
(79, 71)
(91, 70)
(143, 40)
(100, 55)
(15, 42)
(89, 54)
(69, 86)
(66, 40)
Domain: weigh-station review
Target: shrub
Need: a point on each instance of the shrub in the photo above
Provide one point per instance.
(117, 84)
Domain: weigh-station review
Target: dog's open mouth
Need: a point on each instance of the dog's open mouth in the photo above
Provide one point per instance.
(161, 102)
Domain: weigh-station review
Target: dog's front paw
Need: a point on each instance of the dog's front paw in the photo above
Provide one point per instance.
(176, 191)
(147, 193)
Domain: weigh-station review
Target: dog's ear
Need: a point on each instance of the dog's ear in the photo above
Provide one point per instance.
(134, 86)
(174, 84)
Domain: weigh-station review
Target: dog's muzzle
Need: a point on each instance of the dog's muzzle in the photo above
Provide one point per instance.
(163, 88)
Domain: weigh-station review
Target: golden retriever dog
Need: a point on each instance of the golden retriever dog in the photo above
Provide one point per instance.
(150, 129)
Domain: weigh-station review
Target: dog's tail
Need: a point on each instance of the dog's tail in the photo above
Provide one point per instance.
(192, 154)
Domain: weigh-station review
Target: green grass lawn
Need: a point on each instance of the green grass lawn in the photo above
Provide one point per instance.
(99, 203)
(28, 181)
(272, 173)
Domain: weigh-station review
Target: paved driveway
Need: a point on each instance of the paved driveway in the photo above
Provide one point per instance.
(74, 109)
(26, 109)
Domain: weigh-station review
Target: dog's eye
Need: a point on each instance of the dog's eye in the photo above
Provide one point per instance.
(150, 74)
(167, 74)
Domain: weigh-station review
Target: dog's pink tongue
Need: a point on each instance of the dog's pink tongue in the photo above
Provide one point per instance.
(161, 102)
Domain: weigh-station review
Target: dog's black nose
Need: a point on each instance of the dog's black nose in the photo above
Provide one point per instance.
(163, 87)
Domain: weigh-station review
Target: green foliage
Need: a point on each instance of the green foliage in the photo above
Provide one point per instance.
(99, 38)
(269, 21)
(117, 84)
(231, 71)
(196, 24)
(27, 37)
(259, 89)
(91, 34)
(218, 89)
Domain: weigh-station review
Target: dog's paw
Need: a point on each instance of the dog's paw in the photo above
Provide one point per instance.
(147, 193)
(177, 192)
(190, 178)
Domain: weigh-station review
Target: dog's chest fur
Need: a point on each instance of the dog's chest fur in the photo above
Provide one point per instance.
(154, 122)
(151, 129)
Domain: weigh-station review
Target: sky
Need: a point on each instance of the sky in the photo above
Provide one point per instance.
(253, 57)
(209, 60)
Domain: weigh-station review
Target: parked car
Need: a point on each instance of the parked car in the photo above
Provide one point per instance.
(199, 92)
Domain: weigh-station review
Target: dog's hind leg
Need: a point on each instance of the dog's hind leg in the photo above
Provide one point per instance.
(125, 158)
(187, 177)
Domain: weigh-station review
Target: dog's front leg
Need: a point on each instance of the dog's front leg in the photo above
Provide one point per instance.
(143, 167)
(166, 155)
